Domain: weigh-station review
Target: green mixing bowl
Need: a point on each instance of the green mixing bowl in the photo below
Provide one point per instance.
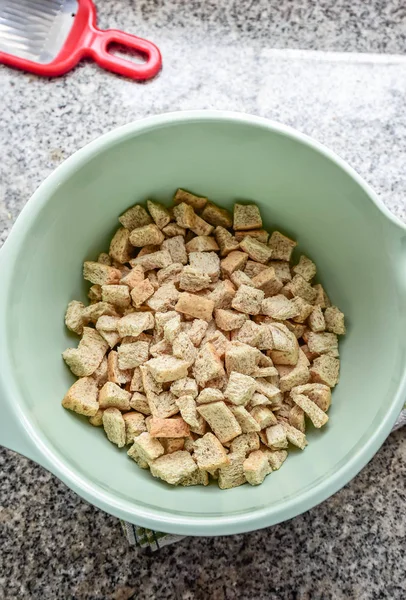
(303, 189)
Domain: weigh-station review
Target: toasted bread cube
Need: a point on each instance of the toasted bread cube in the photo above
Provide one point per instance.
(208, 365)
(100, 274)
(196, 202)
(120, 247)
(304, 309)
(176, 248)
(97, 419)
(114, 373)
(107, 323)
(85, 359)
(306, 268)
(151, 386)
(183, 348)
(248, 300)
(172, 444)
(172, 328)
(164, 298)
(234, 261)
(263, 416)
(240, 389)
(315, 414)
(161, 318)
(209, 453)
(259, 400)
(184, 387)
(321, 343)
(282, 246)
(223, 294)
(195, 306)
(193, 280)
(173, 229)
(118, 295)
(239, 278)
(197, 331)
(93, 312)
(167, 368)
(74, 318)
(246, 216)
(227, 320)
(132, 355)
(209, 395)
(146, 235)
(264, 372)
(256, 467)
(252, 268)
(197, 478)
(220, 217)
(268, 282)
(200, 227)
(291, 377)
(334, 320)
(82, 397)
(241, 358)
(276, 436)
(153, 260)
(258, 234)
(187, 407)
(268, 389)
(162, 405)
(184, 215)
(134, 426)
(141, 292)
(147, 447)
(282, 270)
(173, 467)
(276, 458)
(168, 428)
(233, 474)
(104, 259)
(256, 250)
(100, 375)
(300, 287)
(139, 403)
(321, 297)
(316, 320)
(245, 443)
(202, 243)
(297, 418)
(135, 323)
(225, 240)
(320, 394)
(111, 337)
(221, 420)
(294, 436)
(134, 217)
(279, 308)
(94, 293)
(286, 347)
(170, 274)
(247, 422)
(250, 333)
(114, 426)
(111, 395)
(206, 262)
(159, 213)
(134, 454)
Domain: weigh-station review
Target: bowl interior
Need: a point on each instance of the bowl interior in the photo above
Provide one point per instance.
(300, 191)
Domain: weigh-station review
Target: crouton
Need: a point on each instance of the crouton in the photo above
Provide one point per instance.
(173, 229)
(320, 394)
(334, 319)
(303, 308)
(104, 259)
(263, 416)
(325, 369)
(200, 227)
(268, 282)
(173, 445)
(258, 400)
(173, 467)
(141, 292)
(184, 215)
(279, 308)
(74, 319)
(187, 407)
(241, 358)
(239, 278)
(300, 287)
(100, 274)
(153, 279)
(250, 333)
(111, 395)
(297, 418)
(206, 262)
(276, 436)
(164, 298)
(100, 375)
(114, 426)
(252, 268)
(139, 403)
(196, 202)
(97, 419)
(256, 250)
(82, 397)
(162, 405)
(220, 217)
(282, 270)
(240, 388)
(184, 349)
(321, 343)
(256, 467)
(276, 458)
(195, 306)
(225, 240)
(221, 420)
(294, 436)
(258, 234)
(202, 243)
(134, 426)
(193, 280)
(234, 261)
(168, 428)
(176, 248)
(209, 395)
(148, 249)
(286, 347)
(135, 217)
(153, 260)
(246, 216)
(146, 235)
(227, 320)
(248, 300)
(316, 320)
(207, 365)
(268, 389)
(85, 359)
(93, 312)
(147, 447)
(167, 368)
(281, 246)
(184, 387)
(247, 422)
(94, 293)
(118, 295)
(107, 323)
(120, 246)
(209, 453)
(306, 268)
(264, 372)
(322, 299)
(159, 213)
(172, 328)
(222, 294)
(232, 475)
(150, 385)
(135, 323)
(197, 331)
(132, 355)
(245, 443)
(170, 274)
(294, 376)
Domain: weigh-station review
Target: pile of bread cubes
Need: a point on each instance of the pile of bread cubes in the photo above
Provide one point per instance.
(203, 347)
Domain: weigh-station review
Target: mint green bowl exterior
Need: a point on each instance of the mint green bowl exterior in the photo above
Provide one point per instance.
(301, 188)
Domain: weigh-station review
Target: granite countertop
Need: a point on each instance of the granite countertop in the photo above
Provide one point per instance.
(217, 54)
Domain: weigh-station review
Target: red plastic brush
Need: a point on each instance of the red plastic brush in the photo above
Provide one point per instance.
(50, 37)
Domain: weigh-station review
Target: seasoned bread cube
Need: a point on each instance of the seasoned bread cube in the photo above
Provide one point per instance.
(120, 246)
(187, 407)
(304, 309)
(246, 216)
(164, 298)
(294, 436)
(263, 416)
(112, 395)
(139, 403)
(74, 318)
(252, 268)
(174, 467)
(321, 297)
(325, 369)
(193, 280)
(134, 426)
(168, 428)
(162, 405)
(276, 458)
(247, 422)
(256, 250)
(250, 333)
(134, 217)
(279, 308)
(248, 300)
(256, 467)
(222, 294)
(114, 426)
(173, 229)
(240, 389)
(281, 246)
(201, 227)
(316, 320)
(197, 331)
(208, 365)
(317, 392)
(276, 436)
(306, 268)
(259, 234)
(297, 418)
(245, 443)
(272, 392)
(239, 278)
(141, 292)
(147, 447)
(176, 248)
(206, 262)
(227, 320)
(225, 240)
(173, 445)
(234, 261)
(159, 259)
(202, 243)
(170, 274)
(114, 373)
(209, 395)
(209, 453)
(221, 420)
(167, 368)
(300, 287)
(334, 320)
(183, 348)
(97, 419)
(232, 475)
(241, 358)
(94, 293)
(217, 216)
(132, 355)
(197, 478)
(268, 282)
(282, 270)
(85, 359)
(195, 306)
(118, 295)
(196, 202)
(184, 215)
(159, 213)
(321, 343)
(82, 397)
(100, 274)
(146, 236)
(184, 387)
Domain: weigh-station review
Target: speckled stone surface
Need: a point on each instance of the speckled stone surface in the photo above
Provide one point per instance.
(217, 55)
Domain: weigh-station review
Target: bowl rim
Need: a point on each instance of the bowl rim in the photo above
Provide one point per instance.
(50, 458)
